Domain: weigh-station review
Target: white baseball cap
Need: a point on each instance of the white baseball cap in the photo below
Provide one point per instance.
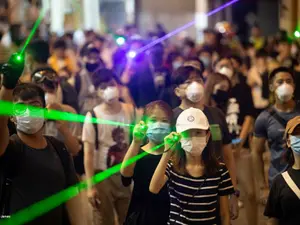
(191, 118)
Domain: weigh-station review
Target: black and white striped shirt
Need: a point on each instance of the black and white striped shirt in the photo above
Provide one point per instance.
(191, 204)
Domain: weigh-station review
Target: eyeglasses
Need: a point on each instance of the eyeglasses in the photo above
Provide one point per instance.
(46, 77)
(42, 75)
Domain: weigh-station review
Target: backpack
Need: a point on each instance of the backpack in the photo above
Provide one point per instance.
(277, 117)
(9, 171)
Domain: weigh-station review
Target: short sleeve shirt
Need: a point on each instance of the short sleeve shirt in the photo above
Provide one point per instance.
(113, 138)
(266, 126)
(36, 170)
(283, 203)
(194, 200)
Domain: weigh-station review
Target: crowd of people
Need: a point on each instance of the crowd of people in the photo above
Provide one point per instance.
(218, 124)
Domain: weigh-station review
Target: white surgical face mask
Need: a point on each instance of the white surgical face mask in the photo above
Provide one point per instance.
(110, 93)
(285, 92)
(28, 124)
(194, 145)
(50, 98)
(226, 71)
(195, 92)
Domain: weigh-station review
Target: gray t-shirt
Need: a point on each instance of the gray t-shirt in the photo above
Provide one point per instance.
(38, 174)
(266, 126)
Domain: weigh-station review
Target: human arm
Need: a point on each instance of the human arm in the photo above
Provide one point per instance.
(159, 177)
(70, 140)
(246, 129)
(225, 189)
(224, 210)
(258, 147)
(161, 174)
(128, 170)
(11, 73)
(5, 95)
(88, 139)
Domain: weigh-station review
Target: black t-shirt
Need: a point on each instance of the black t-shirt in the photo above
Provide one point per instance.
(218, 127)
(145, 207)
(39, 174)
(239, 106)
(148, 85)
(283, 203)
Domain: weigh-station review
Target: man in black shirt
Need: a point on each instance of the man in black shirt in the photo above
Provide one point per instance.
(188, 83)
(37, 166)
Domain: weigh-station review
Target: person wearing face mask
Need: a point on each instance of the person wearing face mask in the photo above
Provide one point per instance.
(240, 114)
(87, 94)
(197, 182)
(146, 208)
(67, 132)
(105, 145)
(283, 202)
(174, 61)
(217, 91)
(270, 125)
(30, 160)
(189, 87)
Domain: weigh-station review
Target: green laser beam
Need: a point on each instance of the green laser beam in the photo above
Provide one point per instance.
(11, 109)
(40, 208)
(33, 30)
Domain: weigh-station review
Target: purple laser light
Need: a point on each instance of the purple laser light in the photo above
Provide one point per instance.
(178, 30)
(131, 54)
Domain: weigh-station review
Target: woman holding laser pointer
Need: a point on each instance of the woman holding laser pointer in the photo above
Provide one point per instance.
(146, 208)
(195, 178)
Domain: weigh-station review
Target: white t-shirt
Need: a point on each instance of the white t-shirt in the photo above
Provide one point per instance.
(113, 139)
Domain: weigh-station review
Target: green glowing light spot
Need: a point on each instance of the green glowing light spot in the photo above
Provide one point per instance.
(297, 34)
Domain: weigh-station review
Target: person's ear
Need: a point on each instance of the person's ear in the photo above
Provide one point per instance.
(288, 142)
(13, 119)
(271, 87)
(208, 136)
(177, 92)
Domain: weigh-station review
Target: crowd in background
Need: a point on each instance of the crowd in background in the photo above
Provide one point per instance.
(235, 104)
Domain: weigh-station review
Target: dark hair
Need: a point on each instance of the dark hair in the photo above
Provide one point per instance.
(261, 53)
(182, 74)
(210, 83)
(171, 57)
(60, 44)
(237, 58)
(160, 104)
(88, 48)
(99, 38)
(104, 75)
(211, 164)
(279, 70)
(220, 59)
(205, 49)
(26, 91)
(194, 58)
(39, 50)
(189, 42)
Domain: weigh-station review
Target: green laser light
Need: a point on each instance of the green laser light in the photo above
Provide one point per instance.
(176, 137)
(297, 34)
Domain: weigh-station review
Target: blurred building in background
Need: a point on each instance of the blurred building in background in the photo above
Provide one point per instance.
(106, 15)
